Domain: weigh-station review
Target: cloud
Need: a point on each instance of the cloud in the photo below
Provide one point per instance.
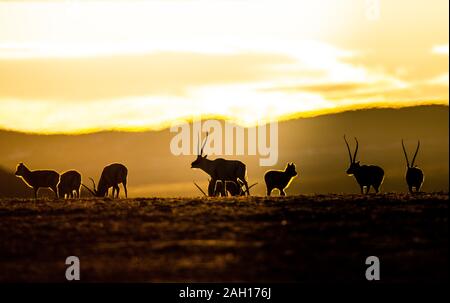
(150, 62)
(240, 103)
(441, 80)
(325, 88)
(139, 92)
(440, 49)
(410, 64)
(99, 78)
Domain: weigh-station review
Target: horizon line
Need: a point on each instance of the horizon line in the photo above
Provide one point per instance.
(204, 117)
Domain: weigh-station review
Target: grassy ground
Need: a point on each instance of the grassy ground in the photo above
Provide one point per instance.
(300, 238)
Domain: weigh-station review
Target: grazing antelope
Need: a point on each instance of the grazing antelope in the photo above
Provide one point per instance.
(214, 188)
(221, 169)
(69, 183)
(365, 175)
(112, 176)
(38, 178)
(278, 179)
(231, 187)
(414, 175)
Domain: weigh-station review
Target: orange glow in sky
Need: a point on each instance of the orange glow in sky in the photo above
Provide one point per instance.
(78, 66)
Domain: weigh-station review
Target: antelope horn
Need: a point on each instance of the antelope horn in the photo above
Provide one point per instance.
(417, 150)
(356, 150)
(406, 155)
(200, 189)
(93, 182)
(348, 148)
(252, 185)
(89, 189)
(241, 184)
(204, 143)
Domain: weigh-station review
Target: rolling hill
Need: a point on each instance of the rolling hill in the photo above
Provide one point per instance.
(314, 144)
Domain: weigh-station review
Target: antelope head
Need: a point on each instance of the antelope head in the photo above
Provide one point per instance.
(406, 155)
(21, 170)
(354, 165)
(199, 162)
(290, 170)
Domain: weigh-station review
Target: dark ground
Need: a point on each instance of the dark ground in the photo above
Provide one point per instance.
(299, 238)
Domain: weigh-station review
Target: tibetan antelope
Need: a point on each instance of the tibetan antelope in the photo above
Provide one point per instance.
(231, 187)
(221, 169)
(112, 176)
(278, 179)
(69, 183)
(38, 178)
(414, 175)
(215, 188)
(365, 175)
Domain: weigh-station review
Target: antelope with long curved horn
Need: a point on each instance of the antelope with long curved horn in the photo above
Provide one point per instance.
(233, 188)
(414, 175)
(221, 169)
(365, 175)
(112, 176)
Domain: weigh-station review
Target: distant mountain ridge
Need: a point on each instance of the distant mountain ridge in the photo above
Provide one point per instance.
(11, 186)
(315, 144)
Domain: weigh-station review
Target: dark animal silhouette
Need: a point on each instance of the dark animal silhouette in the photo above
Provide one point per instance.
(278, 179)
(69, 183)
(215, 188)
(414, 175)
(112, 176)
(221, 169)
(365, 175)
(231, 187)
(38, 178)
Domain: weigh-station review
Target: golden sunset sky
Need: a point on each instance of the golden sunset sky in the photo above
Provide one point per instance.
(80, 66)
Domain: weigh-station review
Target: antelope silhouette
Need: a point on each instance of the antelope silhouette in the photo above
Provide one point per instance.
(365, 175)
(38, 178)
(69, 183)
(215, 188)
(231, 187)
(112, 176)
(278, 179)
(221, 169)
(414, 175)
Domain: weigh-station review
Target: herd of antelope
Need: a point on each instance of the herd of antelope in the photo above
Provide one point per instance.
(227, 177)
(69, 183)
